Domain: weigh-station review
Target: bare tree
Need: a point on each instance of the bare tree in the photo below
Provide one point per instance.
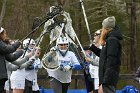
(61, 2)
(2, 11)
(133, 59)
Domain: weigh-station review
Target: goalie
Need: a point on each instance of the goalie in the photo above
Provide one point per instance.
(59, 63)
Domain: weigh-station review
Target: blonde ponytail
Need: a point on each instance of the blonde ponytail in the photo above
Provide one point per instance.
(104, 32)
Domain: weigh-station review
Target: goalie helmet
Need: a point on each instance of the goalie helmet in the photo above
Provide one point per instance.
(62, 40)
(62, 44)
(26, 42)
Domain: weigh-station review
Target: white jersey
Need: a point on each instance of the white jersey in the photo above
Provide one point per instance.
(18, 78)
(31, 75)
(19, 74)
(94, 71)
(60, 75)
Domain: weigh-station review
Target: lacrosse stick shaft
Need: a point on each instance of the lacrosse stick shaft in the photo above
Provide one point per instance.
(50, 15)
(80, 45)
(35, 29)
(31, 34)
(86, 21)
(77, 41)
(61, 30)
(71, 39)
(27, 46)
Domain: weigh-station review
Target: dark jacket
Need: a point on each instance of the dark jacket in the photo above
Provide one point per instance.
(4, 51)
(110, 58)
(13, 56)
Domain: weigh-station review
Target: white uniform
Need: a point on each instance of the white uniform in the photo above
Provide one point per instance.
(60, 75)
(12, 67)
(94, 73)
(6, 87)
(31, 75)
(18, 79)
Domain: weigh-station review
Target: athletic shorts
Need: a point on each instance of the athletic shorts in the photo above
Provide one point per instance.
(17, 84)
(6, 87)
(35, 87)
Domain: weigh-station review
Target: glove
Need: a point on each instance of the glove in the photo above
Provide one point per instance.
(30, 64)
(65, 66)
(53, 49)
(33, 66)
(88, 59)
(32, 59)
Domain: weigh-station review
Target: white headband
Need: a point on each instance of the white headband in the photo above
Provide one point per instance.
(1, 30)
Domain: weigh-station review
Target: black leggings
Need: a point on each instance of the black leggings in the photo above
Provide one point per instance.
(58, 87)
(89, 83)
(36, 91)
(2, 83)
(28, 86)
(108, 89)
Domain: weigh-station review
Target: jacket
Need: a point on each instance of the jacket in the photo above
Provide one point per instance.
(5, 50)
(110, 58)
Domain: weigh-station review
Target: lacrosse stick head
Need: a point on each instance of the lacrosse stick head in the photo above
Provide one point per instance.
(50, 60)
(36, 22)
(55, 33)
(54, 10)
(60, 19)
